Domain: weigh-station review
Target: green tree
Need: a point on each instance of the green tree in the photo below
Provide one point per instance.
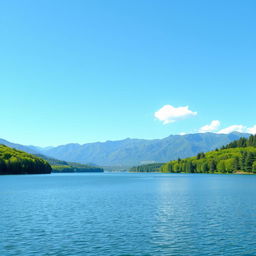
(249, 162)
(221, 166)
(230, 165)
(212, 166)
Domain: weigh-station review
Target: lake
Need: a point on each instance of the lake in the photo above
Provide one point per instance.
(127, 214)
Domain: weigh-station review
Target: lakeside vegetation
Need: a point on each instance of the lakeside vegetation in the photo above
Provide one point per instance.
(59, 166)
(237, 157)
(13, 161)
(154, 167)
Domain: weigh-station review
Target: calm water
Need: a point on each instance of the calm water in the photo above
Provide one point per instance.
(127, 214)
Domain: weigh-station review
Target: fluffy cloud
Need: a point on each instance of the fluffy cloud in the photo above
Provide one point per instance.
(252, 130)
(233, 128)
(238, 128)
(169, 114)
(213, 126)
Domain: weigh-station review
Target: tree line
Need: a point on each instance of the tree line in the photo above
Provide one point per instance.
(75, 168)
(154, 167)
(242, 143)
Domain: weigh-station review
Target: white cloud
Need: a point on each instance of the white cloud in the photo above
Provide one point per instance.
(169, 114)
(238, 128)
(213, 126)
(251, 130)
(233, 128)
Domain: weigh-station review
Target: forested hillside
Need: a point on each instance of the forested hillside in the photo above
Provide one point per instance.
(59, 166)
(237, 156)
(13, 161)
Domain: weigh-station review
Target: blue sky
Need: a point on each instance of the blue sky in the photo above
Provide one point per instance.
(84, 71)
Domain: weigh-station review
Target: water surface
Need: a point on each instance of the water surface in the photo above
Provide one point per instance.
(127, 214)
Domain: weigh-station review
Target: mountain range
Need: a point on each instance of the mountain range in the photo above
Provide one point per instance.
(130, 152)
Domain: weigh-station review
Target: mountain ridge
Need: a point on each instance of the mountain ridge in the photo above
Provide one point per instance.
(130, 152)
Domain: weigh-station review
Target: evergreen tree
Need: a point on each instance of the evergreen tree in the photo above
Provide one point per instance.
(212, 166)
(236, 163)
(254, 167)
(249, 162)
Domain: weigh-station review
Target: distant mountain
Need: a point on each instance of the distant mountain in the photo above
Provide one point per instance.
(28, 149)
(130, 152)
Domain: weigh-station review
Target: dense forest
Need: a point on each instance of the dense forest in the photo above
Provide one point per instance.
(59, 166)
(237, 156)
(13, 161)
(155, 167)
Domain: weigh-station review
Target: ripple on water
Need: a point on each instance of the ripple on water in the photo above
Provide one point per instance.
(127, 214)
